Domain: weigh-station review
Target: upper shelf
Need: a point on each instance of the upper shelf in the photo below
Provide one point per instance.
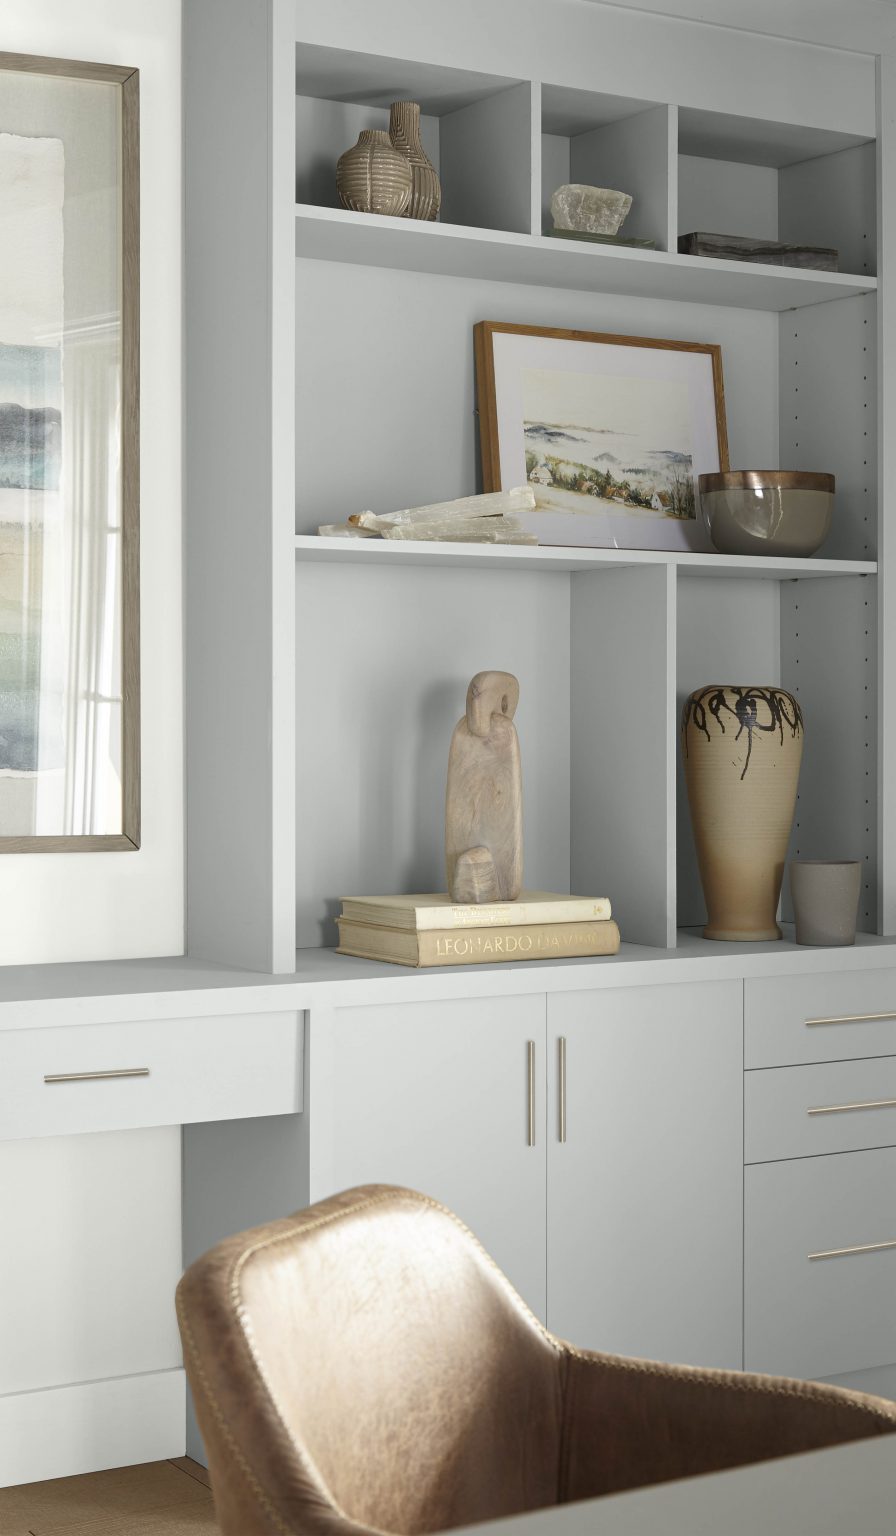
(529, 557)
(453, 250)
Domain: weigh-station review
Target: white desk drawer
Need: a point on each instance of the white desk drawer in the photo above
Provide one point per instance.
(837, 1106)
(834, 1312)
(104, 1077)
(834, 1016)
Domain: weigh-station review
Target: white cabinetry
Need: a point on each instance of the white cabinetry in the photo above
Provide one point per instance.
(820, 1180)
(644, 1191)
(762, 135)
(93, 1093)
(97, 1077)
(436, 1096)
(627, 1235)
(90, 1364)
(820, 1279)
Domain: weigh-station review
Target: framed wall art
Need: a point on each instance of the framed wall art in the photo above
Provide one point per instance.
(610, 432)
(69, 447)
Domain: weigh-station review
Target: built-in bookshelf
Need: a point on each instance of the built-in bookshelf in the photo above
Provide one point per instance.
(365, 360)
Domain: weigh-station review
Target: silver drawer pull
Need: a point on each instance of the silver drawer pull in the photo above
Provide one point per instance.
(841, 1109)
(839, 1253)
(854, 1018)
(95, 1077)
(530, 1093)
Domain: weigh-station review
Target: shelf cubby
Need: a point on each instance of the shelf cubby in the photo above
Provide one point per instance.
(778, 181)
(606, 652)
(476, 130)
(815, 639)
(608, 141)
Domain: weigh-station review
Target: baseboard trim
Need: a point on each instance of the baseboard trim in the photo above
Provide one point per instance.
(89, 1427)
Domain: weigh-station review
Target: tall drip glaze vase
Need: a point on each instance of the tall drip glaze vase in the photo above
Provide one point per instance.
(742, 749)
(404, 131)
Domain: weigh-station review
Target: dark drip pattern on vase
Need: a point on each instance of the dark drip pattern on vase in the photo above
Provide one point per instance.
(711, 704)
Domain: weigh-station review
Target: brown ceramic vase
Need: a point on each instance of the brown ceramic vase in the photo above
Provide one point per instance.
(742, 749)
(404, 132)
(373, 177)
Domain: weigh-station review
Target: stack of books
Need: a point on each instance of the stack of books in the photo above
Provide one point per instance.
(431, 930)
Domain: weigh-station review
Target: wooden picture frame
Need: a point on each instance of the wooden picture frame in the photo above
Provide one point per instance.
(99, 809)
(627, 387)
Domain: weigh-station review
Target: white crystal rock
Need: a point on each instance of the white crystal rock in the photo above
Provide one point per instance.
(594, 210)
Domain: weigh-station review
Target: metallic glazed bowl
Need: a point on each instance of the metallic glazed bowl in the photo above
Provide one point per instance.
(767, 511)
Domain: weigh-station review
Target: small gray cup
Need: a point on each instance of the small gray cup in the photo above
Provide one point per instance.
(825, 899)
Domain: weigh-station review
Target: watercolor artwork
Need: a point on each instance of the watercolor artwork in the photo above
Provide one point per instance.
(595, 438)
(611, 433)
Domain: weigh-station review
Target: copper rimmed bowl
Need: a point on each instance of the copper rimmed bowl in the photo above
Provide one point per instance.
(767, 511)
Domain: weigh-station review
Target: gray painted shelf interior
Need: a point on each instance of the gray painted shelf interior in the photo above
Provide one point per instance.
(367, 357)
(632, 634)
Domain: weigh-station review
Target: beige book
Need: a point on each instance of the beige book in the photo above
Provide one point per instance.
(426, 912)
(477, 946)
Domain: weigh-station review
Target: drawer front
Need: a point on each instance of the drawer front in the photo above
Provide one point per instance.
(103, 1077)
(834, 1016)
(838, 1106)
(820, 1316)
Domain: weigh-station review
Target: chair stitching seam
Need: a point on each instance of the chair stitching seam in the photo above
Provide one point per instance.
(568, 1405)
(223, 1425)
(738, 1382)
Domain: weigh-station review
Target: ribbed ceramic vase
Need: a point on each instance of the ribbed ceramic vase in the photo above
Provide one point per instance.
(742, 749)
(373, 177)
(404, 132)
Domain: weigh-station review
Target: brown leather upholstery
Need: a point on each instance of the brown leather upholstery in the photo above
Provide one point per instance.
(365, 1366)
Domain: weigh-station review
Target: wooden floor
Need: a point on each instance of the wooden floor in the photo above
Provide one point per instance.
(162, 1498)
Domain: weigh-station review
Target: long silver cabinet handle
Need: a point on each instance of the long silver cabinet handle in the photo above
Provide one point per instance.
(95, 1077)
(854, 1018)
(839, 1253)
(841, 1109)
(530, 1093)
(561, 1062)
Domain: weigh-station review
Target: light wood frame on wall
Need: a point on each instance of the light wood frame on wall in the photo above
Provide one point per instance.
(129, 82)
(487, 400)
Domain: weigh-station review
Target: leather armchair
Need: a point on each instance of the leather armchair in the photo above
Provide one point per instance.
(364, 1366)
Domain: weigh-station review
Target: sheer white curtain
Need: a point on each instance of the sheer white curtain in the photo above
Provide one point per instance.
(90, 581)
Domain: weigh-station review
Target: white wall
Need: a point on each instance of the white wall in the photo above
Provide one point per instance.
(115, 905)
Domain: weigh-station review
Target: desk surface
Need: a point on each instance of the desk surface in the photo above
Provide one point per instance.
(102, 991)
(847, 1491)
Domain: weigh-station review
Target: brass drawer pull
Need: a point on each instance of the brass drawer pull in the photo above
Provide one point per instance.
(841, 1109)
(839, 1253)
(855, 1018)
(95, 1077)
(530, 1093)
(561, 1052)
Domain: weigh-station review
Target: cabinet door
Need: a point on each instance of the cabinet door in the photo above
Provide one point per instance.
(645, 1194)
(436, 1096)
(91, 1255)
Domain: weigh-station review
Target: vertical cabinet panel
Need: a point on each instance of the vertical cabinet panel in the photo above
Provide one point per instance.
(622, 781)
(645, 1194)
(92, 1254)
(435, 1096)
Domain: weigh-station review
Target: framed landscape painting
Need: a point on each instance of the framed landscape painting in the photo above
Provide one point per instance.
(610, 432)
(69, 444)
